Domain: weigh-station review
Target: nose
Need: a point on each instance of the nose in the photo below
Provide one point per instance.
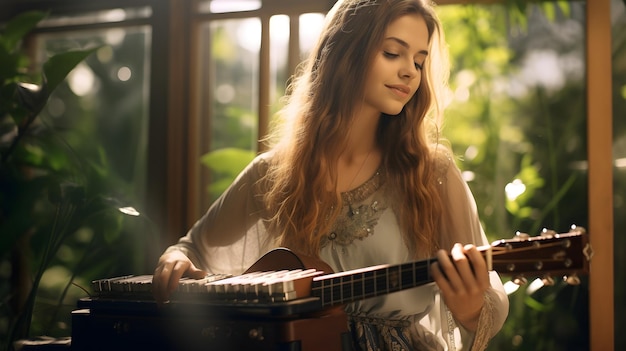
(409, 70)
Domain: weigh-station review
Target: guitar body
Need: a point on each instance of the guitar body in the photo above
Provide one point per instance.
(325, 329)
(283, 258)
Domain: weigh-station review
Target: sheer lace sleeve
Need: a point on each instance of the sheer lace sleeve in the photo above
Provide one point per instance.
(460, 223)
(231, 235)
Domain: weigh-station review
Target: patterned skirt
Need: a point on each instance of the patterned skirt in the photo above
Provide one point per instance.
(377, 334)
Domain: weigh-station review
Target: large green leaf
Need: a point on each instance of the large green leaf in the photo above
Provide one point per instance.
(18, 27)
(225, 164)
(59, 66)
(8, 65)
(228, 161)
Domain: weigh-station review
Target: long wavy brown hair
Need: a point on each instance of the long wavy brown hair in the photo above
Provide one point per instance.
(311, 129)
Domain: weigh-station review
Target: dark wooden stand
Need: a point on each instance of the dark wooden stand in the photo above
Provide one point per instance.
(113, 326)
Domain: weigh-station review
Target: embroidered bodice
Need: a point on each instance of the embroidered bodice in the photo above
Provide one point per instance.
(359, 214)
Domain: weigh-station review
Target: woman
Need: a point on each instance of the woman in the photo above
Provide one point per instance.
(358, 177)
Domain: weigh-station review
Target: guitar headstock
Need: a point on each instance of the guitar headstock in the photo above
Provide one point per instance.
(546, 255)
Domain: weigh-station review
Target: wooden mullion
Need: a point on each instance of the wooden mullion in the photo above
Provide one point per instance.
(156, 183)
(177, 117)
(600, 158)
(264, 83)
(198, 140)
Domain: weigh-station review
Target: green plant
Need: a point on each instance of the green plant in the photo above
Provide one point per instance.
(225, 164)
(51, 215)
(522, 147)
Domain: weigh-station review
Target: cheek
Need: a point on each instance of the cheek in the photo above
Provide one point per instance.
(416, 88)
(416, 93)
(418, 80)
(418, 84)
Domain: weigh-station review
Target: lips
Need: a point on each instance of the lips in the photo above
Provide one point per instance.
(399, 89)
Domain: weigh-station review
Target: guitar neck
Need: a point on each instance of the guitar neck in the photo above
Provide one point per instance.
(550, 253)
(349, 286)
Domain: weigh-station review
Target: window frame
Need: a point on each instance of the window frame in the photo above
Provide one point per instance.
(175, 177)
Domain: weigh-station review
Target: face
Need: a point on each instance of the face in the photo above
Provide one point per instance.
(396, 70)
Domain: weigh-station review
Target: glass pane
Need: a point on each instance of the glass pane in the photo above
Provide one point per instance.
(230, 75)
(105, 16)
(279, 49)
(310, 28)
(223, 6)
(517, 117)
(618, 14)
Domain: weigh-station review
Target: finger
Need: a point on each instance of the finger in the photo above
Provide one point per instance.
(180, 267)
(196, 273)
(463, 266)
(450, 271)
(159, 283)
(439, 277)
(475, 257)
(479, 265)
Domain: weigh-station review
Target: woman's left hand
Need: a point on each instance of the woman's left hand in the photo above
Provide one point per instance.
(463, 280)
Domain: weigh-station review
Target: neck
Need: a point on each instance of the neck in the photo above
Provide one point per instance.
(361, 137)
(361, 156)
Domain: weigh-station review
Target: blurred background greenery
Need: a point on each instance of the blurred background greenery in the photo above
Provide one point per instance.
(516, 119)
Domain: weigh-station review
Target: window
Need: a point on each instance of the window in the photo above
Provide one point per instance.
(205, 76)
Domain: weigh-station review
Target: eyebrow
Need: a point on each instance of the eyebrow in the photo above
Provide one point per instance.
(406, 45)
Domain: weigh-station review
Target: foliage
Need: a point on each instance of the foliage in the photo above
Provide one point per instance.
(54, 213)
(548, 319)
(225, 164)
(233, 122)
(521, 137)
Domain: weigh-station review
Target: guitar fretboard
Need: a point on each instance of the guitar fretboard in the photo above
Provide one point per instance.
(344, 287)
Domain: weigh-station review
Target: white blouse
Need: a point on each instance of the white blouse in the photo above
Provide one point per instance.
(231, 236)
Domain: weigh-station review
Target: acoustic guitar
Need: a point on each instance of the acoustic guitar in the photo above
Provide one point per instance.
(547, 255)
(286, 298)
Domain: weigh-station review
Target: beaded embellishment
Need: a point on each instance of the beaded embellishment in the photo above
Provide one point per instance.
(358, 218)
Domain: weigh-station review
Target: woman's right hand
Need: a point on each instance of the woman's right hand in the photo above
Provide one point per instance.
(171, 267)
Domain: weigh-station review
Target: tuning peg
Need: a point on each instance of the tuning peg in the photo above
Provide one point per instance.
(547, 233)
(547, 280)
(573, 279)
(521, 236)
(576, 229)
(519, 280)
(588, 252)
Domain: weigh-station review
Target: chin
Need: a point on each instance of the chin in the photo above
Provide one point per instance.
(393, 111)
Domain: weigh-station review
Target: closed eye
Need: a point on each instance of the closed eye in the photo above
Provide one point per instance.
(391, 55)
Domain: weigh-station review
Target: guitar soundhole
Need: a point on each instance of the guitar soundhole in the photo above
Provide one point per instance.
(510, 267)
(538, 265)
